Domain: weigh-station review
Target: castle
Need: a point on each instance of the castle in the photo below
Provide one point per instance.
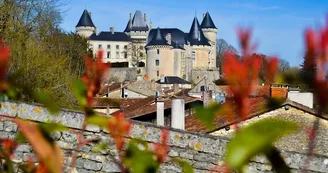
(162, 51)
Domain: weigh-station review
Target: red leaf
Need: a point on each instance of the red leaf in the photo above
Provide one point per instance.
(118, 128)
(45, 152)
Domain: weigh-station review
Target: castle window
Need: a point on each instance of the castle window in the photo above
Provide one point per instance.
(108, 46)
(125, 47)
(117, 46)
(117, 54)
(100, 46)
(157, 62)
(108, 54)
(193, 56)
(125, 55)
(157, 51)
(157, 73)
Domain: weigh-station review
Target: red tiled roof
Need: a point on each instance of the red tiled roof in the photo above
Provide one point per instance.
(257, 107)
(221, 120)
(112, 87)
(148, 106)
(114, 102)
(258, 90)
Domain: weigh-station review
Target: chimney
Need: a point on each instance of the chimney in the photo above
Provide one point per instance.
(162, 80)
(90, 14)
(203, 15)
(175, 88)
(111, 29)
(130, 19)
(207, 98)
(178, 113)
(168, 38)
(160, 112)
(145, 17)
(122, 91)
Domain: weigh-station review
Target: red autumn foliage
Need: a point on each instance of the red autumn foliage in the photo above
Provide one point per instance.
(317, 56)
(95, 70)
(8, 146)
(161, 149)
(242, 75)
(4, 65)
(119, 127)
(46, 153)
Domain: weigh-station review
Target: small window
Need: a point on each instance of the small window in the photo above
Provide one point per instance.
(117, 46)
(108, 54)
(117, 54)
(125, 55)
(157, 51)
(157, 73)
(125, 47)
(157, 62)
(108, 46)
(99, 46)
(193, 55)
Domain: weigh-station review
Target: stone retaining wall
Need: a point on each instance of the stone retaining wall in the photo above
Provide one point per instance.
(202, 151)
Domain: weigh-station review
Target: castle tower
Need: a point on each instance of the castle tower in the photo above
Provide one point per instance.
(210, 32)
(85, 26)
(160, 59)
(137, 27)
(200, 46)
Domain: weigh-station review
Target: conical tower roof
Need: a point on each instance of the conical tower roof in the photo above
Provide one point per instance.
(158, 39)
(196, 35)
(85, 20)
(208, 22)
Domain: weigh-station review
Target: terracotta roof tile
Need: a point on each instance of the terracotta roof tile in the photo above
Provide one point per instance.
(148, 106)
(114, 102)
(256, 108)
(221, 120)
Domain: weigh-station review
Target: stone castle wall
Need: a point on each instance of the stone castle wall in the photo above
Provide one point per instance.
(202, 151)
(123, 74)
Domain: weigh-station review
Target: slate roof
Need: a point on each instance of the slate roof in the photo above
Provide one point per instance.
(138, 23)
(85, 20)
(158, 39)
(196, 35)
(172, 80)
(178, 37)
(208, 22)
(108, 36)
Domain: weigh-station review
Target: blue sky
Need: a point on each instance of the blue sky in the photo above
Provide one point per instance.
(278, 25)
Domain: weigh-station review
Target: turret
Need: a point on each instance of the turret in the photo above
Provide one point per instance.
(85, 26)
(160, 59)
(210, 31)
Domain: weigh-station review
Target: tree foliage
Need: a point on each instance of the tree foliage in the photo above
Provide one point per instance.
(43, 56)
